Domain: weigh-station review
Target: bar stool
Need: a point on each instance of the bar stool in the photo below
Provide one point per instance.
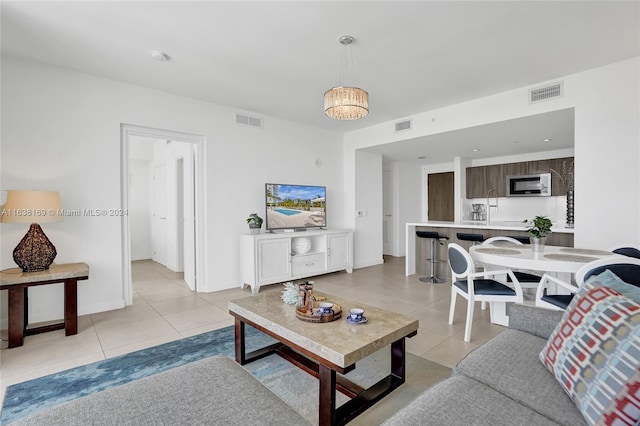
(432, 260)
(474, 238)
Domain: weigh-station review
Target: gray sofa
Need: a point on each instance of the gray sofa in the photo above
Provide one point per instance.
(213, 391)
(502, 382)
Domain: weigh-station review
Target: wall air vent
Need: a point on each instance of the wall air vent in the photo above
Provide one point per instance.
(249, 121)
(403, 125)
(545, 93)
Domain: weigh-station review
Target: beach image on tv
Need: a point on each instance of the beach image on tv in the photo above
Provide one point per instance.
(295, 206)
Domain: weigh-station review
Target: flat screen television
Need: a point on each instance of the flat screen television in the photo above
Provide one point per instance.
(295, 207)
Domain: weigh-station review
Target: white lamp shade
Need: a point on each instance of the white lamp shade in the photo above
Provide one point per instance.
(25, 206)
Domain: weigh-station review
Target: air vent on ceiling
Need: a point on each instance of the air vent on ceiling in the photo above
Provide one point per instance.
(403, 125)
(249, 121)
(545, 93)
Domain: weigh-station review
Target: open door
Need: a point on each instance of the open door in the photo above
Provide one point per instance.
(159, 215)
(186, 223)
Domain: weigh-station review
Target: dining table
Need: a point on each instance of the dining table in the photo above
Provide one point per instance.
(560, 262)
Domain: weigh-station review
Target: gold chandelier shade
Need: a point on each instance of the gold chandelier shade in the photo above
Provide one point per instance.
(346, 103)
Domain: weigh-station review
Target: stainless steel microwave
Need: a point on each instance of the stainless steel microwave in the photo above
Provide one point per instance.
(538, 185)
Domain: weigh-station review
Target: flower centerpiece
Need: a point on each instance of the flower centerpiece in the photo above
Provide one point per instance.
(538, 229)
(290, 294)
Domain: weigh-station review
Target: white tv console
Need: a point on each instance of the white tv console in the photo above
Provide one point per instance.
(272, 258)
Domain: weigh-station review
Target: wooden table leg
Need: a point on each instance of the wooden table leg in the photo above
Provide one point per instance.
(241, 354)
(71, 307)
(327, 400)
(16, 316)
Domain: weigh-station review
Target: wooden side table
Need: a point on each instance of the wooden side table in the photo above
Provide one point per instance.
(17, 283)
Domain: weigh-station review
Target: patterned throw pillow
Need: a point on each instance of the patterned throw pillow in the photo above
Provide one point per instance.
(594, 353)
(609, 279)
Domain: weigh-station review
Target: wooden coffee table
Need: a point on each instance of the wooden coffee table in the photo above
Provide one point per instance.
(324, 349)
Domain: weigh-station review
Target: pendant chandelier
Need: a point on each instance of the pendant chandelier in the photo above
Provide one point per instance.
(346, 102)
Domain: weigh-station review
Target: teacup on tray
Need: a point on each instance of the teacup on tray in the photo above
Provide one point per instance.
(325, 308)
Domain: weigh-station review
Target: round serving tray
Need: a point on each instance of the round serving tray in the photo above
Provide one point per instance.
(313, 316)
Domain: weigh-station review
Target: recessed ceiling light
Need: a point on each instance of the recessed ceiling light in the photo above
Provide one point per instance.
(546, 140)
(475, 150)
(159, 56)
(421, 157)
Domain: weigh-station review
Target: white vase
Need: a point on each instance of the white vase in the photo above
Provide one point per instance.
(537, 244)
(301, 245)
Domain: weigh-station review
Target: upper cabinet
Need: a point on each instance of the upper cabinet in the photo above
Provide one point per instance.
(482, 179)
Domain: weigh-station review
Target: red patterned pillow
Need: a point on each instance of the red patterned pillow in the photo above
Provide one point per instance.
(594, 353)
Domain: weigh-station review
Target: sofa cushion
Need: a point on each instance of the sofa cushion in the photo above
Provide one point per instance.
(594, 354)
(533, 320)
(509, 364)
(214, 390)
(460, 400)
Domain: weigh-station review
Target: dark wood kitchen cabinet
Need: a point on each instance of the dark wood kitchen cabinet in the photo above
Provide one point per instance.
(476, 181)
(483, 178)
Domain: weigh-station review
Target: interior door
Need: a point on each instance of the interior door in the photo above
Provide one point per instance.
(159, 215)
(440, 195)
(189, 219)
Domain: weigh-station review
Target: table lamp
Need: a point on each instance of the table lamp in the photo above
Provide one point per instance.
(34, 252)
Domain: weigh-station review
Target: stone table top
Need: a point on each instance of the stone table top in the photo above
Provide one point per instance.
(339, 342)
(15, 276)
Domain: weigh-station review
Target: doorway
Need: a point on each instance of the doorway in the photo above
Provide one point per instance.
(175, 199)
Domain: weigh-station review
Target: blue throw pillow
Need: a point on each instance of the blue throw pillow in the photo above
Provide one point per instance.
(611, 280)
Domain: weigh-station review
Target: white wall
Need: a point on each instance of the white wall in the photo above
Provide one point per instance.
(409, 202)
(140, 209)
(607, 149)
(368, 200)
(61, 131)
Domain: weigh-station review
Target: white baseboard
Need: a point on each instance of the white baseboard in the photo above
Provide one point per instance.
(367, 264)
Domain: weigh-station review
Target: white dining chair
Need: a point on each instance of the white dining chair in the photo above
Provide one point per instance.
(526, 279)
(627, 268)
(557, 302)
(478, 287)
(629, 250)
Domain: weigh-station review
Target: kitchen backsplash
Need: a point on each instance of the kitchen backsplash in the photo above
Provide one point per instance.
(513, 209)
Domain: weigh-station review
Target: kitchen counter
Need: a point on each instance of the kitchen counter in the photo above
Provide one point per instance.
(513, 225)
(563, 237)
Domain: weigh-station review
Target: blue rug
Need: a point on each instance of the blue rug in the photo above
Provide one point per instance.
(38, 394)
(290, 383)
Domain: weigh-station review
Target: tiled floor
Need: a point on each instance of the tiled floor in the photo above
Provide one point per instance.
(164, 309)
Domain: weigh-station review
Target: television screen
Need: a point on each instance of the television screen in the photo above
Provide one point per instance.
(295, 206)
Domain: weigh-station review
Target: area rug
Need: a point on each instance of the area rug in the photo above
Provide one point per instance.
(297, 388)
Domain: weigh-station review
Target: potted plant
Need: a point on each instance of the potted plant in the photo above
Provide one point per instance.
(538, 229)
(255, 223)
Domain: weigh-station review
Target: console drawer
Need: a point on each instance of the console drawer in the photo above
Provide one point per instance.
(307, 264)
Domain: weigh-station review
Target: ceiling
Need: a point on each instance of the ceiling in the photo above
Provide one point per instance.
(550, 131)
(278, 58)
